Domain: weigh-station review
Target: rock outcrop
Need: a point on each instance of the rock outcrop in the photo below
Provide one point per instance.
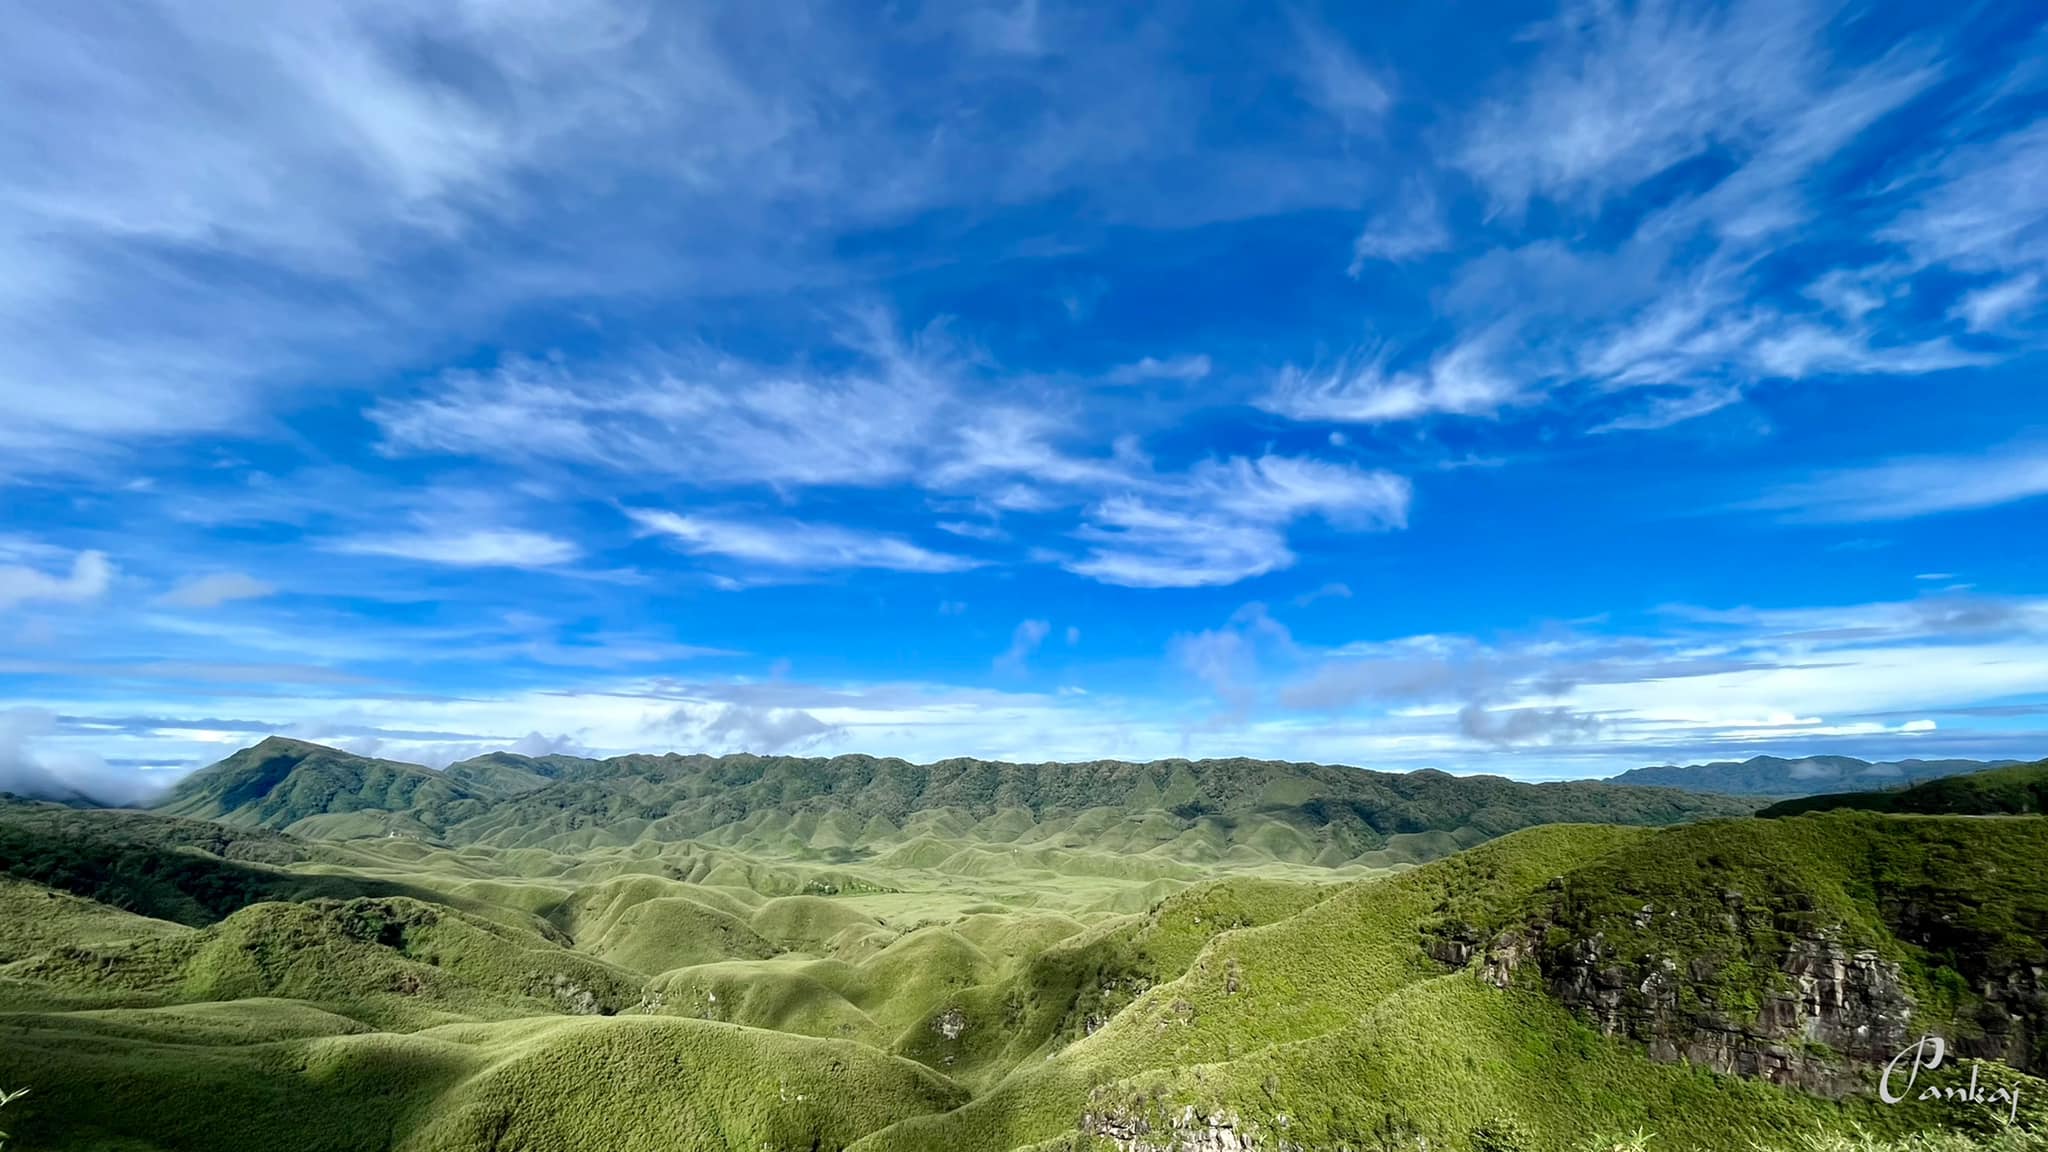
(1782, 995)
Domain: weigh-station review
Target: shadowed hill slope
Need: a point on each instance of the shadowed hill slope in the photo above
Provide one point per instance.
(2015, 791)
(850, 806)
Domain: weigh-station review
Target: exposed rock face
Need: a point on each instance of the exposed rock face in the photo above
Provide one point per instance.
(572, 997)
(1188, 1130)
(2013, 1020)
(1781, 995)
(1825, 1013)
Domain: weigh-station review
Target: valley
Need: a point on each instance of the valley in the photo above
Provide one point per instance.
(741, 953)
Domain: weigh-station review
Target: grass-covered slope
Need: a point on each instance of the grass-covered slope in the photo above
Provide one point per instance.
(278, 782)
(1352, 1024)
(2014, 791)
(189, 871)
(1792, 948)
(946, 980)
(1184, 815)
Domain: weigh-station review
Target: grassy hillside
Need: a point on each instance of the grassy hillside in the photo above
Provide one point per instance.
(1183, 816)
(169, 985)
(2018, 790)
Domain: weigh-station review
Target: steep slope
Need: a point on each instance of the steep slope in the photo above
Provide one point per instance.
(1019, 816)
(1798, 950)
(188, 871)
(1529, 982)
(1775, 776)
(279, 782)
(2018, 790)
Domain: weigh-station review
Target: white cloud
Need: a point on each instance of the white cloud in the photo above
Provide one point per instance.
(971, 530)
(1987, 309)
(1985, 212)
(796, 545)
(748, 728)
(1704, 684)
(1412, 228)
(1618, 97)
(1799, 350)
(29, 768)
(1225, 521)
(1137, 545)
(1663, 411)
(1184, 368)
(1462, 380)
(341, 148)
(705, 419)
(178, 259)
(1335, 80)
(1622, 93)
(1795, 678)
(90, 576)
(1228, 659)
(474, 548)
(1333, 590)
(1023, 642)
(216, 589)
(1916, 486)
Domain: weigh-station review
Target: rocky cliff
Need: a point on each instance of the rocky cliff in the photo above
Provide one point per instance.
(1761, 971)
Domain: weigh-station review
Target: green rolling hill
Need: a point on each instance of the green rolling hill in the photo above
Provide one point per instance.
(353, 954)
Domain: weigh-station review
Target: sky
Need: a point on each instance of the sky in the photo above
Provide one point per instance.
(1492, 387)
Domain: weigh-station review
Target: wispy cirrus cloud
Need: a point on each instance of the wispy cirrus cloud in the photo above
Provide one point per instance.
(1226, 521)
(1619, 94)
(796, 545)
(1692, 137)
(465, 548)
(1908, 487)
(1334, 79)
(1463, 380)
(701, 417)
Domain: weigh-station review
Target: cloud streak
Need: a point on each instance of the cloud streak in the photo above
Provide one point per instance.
(1911, 487)
(795, 545)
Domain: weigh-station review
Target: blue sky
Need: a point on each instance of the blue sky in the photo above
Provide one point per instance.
(1491, 387)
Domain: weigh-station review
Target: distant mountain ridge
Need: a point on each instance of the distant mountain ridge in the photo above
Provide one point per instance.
(2014, 790)
(1806, 776)
(1190, 812)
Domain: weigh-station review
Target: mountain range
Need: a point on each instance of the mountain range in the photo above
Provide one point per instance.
(1173, 812)
(1805, 776)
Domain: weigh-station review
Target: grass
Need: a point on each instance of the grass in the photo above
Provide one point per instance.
(956, 977)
